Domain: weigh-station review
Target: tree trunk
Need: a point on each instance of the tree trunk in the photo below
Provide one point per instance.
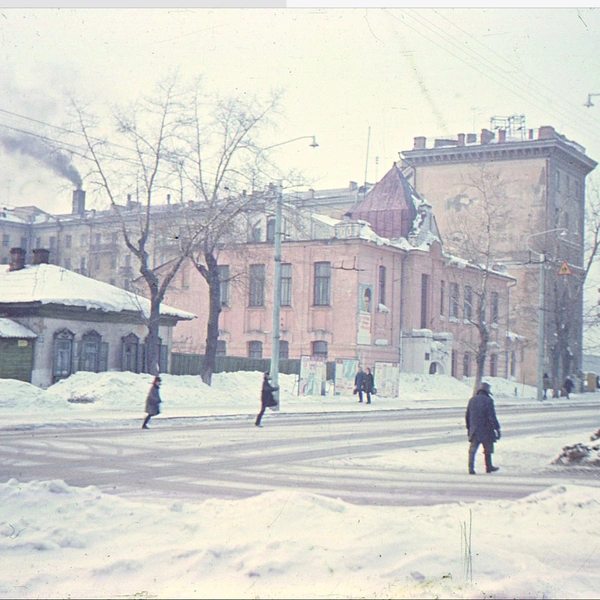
(153, 340)
(214, 311)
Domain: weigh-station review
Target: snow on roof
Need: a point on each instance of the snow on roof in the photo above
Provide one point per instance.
(10, 329)
(50, 284)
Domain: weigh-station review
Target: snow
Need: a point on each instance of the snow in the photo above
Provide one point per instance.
(50, 284)
(59, 541)
(10, 329)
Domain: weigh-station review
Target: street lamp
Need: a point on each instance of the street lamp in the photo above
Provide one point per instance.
(278, 234)
(542, 308)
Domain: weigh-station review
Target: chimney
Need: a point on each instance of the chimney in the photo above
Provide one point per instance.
(17, 259)
(78, 202)
(461, 139)
(545, 132)
(486, 136)
(501, 135)
(420, 143)
(40, 256)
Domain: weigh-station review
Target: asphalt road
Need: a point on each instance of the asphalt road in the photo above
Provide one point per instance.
(336, 454)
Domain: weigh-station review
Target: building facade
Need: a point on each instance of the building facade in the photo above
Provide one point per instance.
(534, 180)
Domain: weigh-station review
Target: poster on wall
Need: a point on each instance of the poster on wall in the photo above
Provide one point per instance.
(365, 308)
(313, 376)
(345, 372)
(387, 379)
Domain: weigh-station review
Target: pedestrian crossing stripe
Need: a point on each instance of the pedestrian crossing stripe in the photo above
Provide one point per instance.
(564, 269)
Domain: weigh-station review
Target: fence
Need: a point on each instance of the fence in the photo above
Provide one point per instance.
(191, 364)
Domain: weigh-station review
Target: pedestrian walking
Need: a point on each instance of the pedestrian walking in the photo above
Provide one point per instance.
(358, 383)
(482, 427)
(546, 385)
(266, 397)
(368, 385)
(568, 386)
(152, 402)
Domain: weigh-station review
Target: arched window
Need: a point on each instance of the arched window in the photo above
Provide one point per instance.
(90, 352)
(319, 349)
(63, 354)
(130, 351)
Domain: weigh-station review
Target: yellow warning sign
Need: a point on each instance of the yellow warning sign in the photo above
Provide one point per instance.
(564, 269)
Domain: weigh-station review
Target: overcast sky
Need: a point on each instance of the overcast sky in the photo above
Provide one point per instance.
(364, 81)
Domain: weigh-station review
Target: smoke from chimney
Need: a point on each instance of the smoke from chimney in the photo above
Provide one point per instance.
(56, 160)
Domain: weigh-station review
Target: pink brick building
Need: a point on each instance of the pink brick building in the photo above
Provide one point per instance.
(374, 286)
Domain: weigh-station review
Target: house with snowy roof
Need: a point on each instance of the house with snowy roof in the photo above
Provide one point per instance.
(54, 322)
(374, 286)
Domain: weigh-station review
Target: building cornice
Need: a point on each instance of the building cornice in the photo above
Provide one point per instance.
(548, 148)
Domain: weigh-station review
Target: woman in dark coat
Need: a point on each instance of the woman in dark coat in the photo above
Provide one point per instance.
(482, 427)
(368, 384)
(266, 397)
(152, 402)
(568, 385)
(358, 383)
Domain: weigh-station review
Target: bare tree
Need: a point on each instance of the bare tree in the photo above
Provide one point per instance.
(219, 161)
(139, 157)
(478, 234)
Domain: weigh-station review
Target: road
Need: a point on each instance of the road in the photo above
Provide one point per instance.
(343, 455)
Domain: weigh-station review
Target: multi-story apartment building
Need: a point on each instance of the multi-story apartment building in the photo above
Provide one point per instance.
(535, 181)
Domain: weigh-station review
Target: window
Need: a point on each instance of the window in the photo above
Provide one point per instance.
(24, 243)
(68, 241)
(467, 365)
(63, 354)
(558, 180)
(98, 238)
(270, 230)
(224, 284)
(424, 288)
(130, 349)
(256, 233)
(454, 298)
(128, 260)
(38, 242)
(453, 366)
(442, 297)
(5, 240)
(494, 307)
(114, 237)
(284, 349)
(90, 352)
(52, 242)
(68, 263)
(493, 365)
(319, 349)
(97, 263)
(513, 364)
(255, 349)
(257, 285)
(322, 284)
(468, 303)
(82, 265)
(286, 284)
(113, 261)
(83, 241)
(381, 285)
(221, 348)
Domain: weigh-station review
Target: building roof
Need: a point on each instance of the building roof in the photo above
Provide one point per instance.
(50, 284)
(10, 329)
(391, 207)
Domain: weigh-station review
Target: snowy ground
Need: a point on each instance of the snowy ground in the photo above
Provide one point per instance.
(58, 541)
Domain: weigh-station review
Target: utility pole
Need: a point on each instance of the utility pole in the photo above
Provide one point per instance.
(277, 289)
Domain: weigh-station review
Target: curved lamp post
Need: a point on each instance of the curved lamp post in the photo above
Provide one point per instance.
(274, 371)
(542, 308)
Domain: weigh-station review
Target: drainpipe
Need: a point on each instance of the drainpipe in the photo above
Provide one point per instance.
(402, 302)
(508, 287)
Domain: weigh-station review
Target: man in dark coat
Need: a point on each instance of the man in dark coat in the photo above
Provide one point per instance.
(152, 402)
(368, 384)
(266, 397)
(568, 385)
(482, 426)
(358, 383)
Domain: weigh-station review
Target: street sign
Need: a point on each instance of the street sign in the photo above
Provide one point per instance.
(564, 269)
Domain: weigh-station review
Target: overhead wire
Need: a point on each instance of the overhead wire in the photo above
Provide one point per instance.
(482, 64)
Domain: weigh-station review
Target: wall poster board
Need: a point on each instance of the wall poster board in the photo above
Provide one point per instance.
(313, 376)
(345, 372)
(387, 376)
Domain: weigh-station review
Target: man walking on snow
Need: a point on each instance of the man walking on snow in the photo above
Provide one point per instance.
(482, 426)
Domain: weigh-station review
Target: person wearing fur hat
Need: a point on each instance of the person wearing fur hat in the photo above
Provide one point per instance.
(482, 427)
